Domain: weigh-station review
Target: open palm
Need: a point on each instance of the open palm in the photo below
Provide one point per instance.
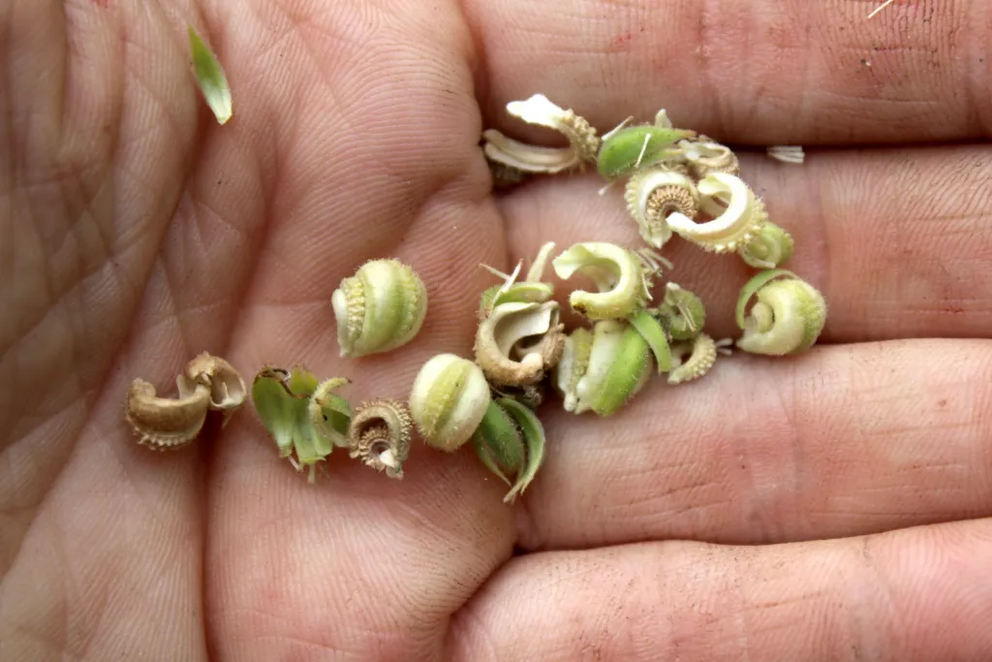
(819, 508)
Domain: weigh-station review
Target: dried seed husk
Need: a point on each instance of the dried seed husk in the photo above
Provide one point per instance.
(207, 383)
(227, 388)
(379, 435)
(529, 395)
(504, 176)
(167, 423)
(518, 342)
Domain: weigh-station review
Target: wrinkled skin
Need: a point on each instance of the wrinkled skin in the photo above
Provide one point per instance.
(827, 507)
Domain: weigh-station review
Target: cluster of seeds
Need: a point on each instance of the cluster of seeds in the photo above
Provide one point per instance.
(676, 182)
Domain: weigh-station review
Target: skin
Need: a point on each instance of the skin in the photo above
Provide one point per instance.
(828, 507)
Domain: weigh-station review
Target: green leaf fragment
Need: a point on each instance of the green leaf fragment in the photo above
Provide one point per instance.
(275, 407)
(653, 333)
(284, 404)
(498, 444)
(210, 78)
(630, 148)
(330, 413)
(302, 382)
(534, 439)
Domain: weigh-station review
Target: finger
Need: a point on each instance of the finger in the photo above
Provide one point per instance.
(843, 441)
(877, 598)
(772, 72)
(898, 241)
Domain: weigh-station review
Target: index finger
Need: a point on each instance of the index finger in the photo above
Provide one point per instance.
(751, 72)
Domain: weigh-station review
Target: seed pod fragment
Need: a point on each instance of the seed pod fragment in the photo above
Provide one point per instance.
(692, 359)
(379, 435)
(654, 193)
(681, 312)
(705, 156)
(738, 214)
(448, 400)
(498, 443)
(518, 342)
(510, 441)
(601, 371)
(227, 389)
(305, 428)
(618, 273)
(769, 248)
(167, 423)
(787, 317)
(532, 289)
(380, 308)
(583, 143)
(207, 383)
(655, 336)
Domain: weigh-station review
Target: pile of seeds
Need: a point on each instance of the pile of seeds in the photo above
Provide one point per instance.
(675, 182)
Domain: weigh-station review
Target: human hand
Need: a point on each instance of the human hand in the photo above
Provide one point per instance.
(820, 507)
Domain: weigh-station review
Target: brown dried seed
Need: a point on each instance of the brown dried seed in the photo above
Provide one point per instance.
(208, 382)
(379, 435)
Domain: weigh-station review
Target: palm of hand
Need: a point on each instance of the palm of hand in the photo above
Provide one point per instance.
(143, 233)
